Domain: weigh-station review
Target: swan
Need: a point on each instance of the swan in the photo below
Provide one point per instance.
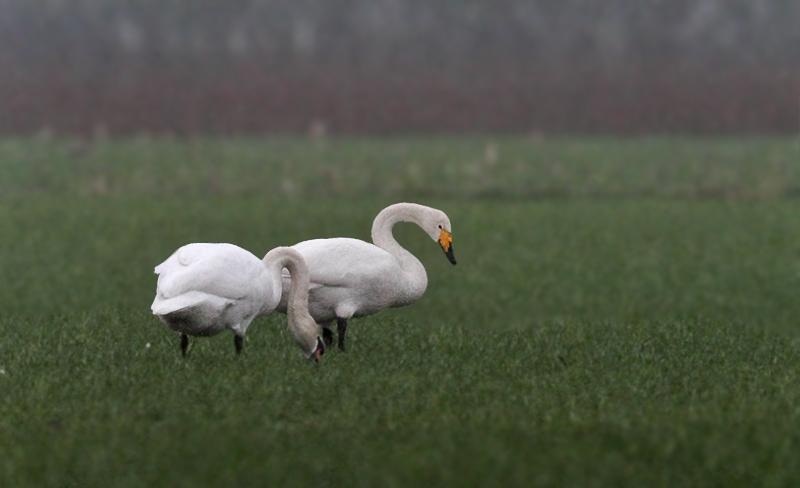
(204, 289)
(353, 278)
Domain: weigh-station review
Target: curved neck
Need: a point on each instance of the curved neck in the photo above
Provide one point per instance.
(384, 222)
(285, 257)
(382, 236)
(301, 325)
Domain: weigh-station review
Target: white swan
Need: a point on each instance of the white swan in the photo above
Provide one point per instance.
(204, 289)
(353, 278)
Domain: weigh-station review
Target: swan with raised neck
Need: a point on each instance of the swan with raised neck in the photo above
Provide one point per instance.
(353, 278)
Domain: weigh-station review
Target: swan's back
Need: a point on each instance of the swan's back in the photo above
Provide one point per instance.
(219, 269)
(336, 261)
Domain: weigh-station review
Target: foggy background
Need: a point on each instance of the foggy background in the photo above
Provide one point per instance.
(397, 66)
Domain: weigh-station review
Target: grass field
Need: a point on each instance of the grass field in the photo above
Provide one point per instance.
(623, 312)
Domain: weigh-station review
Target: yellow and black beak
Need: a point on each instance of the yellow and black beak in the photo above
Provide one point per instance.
(446, 241)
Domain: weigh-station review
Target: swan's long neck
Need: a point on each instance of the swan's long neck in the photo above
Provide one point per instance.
(382, 237)
(301, 325)
(286, 257)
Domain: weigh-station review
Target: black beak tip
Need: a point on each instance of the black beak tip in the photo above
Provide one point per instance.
(450, 256)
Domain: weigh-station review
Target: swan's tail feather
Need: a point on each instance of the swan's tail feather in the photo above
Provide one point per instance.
(192, 299)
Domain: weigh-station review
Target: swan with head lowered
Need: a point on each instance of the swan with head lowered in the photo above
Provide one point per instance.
(353, 278)
(204, 289)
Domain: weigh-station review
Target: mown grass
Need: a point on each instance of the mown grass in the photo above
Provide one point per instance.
(616, 331)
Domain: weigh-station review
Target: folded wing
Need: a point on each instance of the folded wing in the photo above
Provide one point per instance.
(216, 273)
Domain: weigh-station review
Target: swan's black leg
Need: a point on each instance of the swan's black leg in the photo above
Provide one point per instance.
(341, 331)
(327, 336)
(238, 343)
(184, 344)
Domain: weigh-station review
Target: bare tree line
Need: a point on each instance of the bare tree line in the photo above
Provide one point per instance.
(240, 54)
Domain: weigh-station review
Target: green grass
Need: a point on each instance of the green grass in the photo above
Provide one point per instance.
(623, 312)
